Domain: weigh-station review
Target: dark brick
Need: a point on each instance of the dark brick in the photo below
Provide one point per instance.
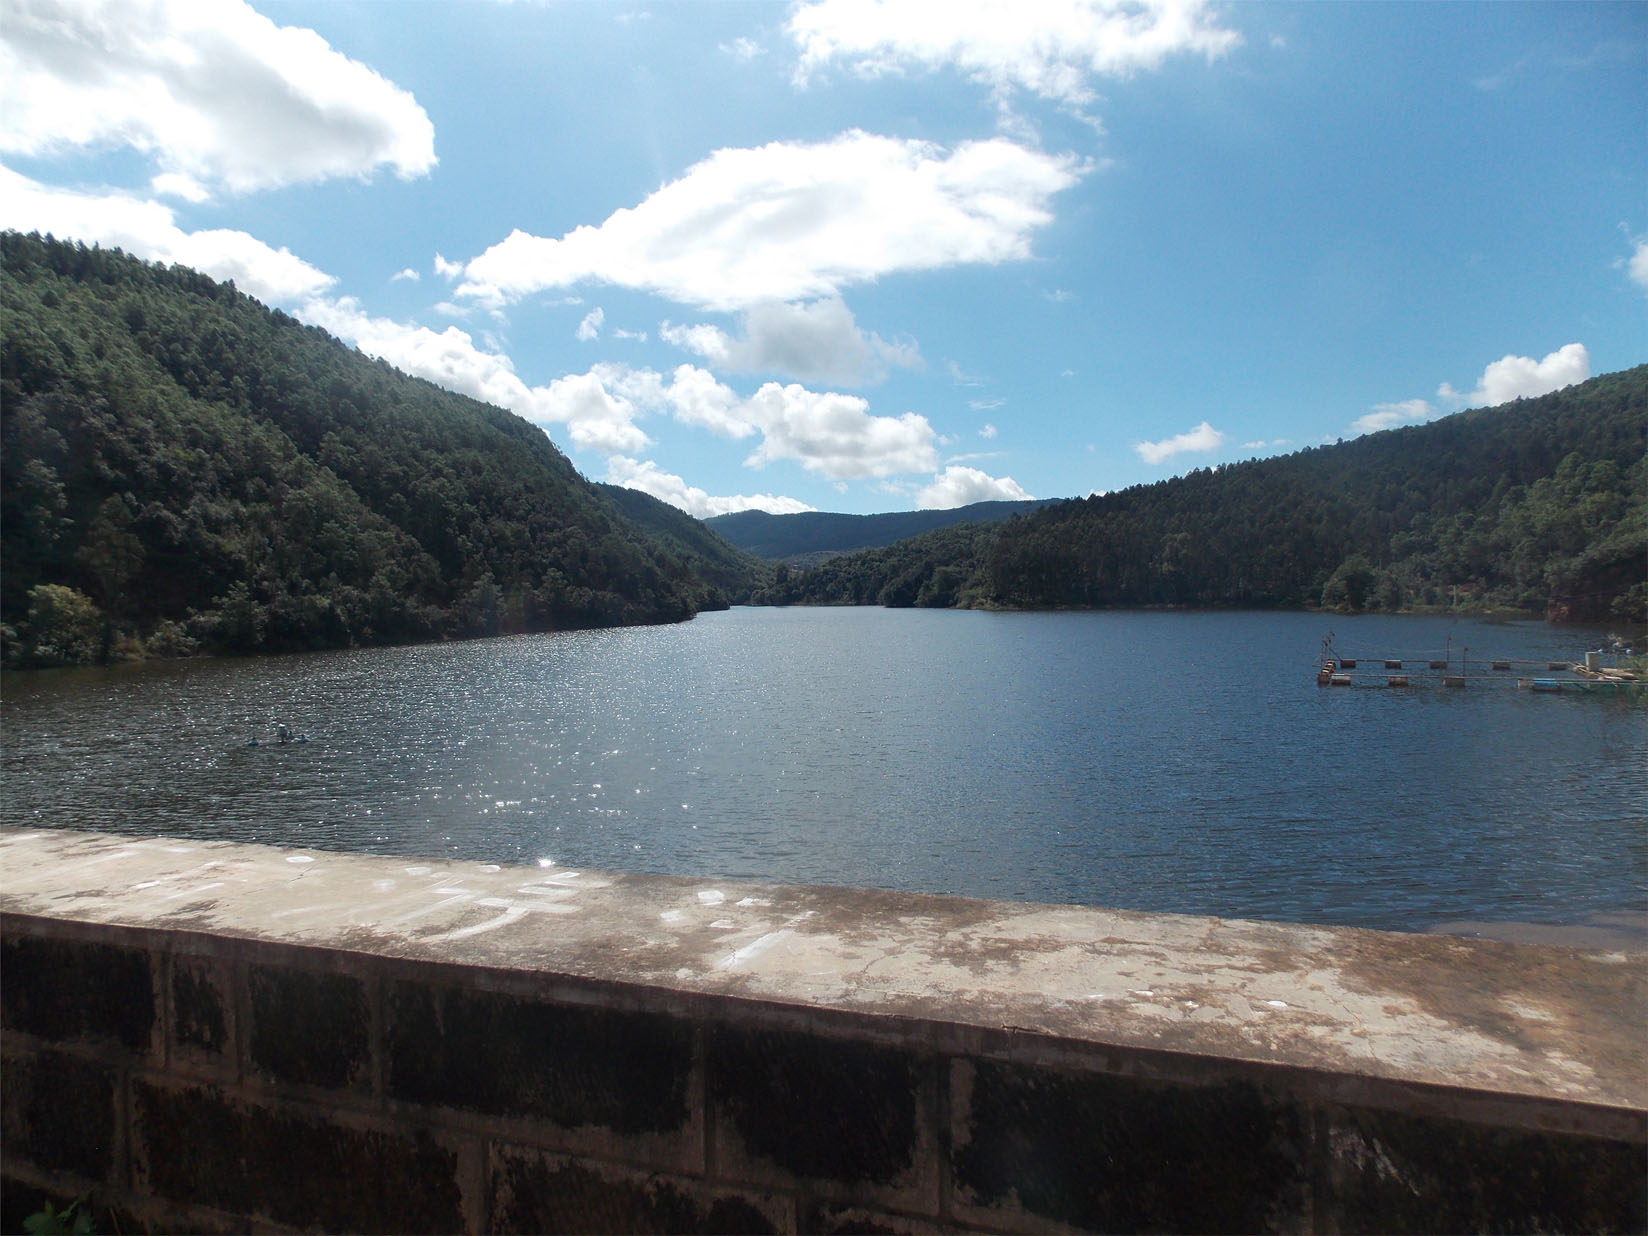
(193, 1146)
(819, 1108)
(200, 1006)
(505, 1055)
(532, 1193)
(1387, 1172)
(1117, 1154)
(70, 990)
(310, 1028)
(59, 1113)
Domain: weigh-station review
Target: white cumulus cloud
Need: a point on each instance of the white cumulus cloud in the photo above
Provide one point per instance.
(216, 94)
(743, 48)
(962, 486)
(829, 433)
(1637, 264)
(451, 358)
(817, 341)
(1202, 438)
(590, 327)
(836, 436)
(1390, 415)
(710, 342)
(146, 230)
(649, 478)
(793, 221)
(1523, 377)
(1050, 48)
(695, 397)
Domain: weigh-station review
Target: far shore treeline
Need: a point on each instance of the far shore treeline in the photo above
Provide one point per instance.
(1539, 506)
(185, 469)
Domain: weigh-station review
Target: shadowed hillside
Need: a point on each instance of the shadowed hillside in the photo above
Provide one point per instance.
(1537, 505)
(814, 536)
(184, 467)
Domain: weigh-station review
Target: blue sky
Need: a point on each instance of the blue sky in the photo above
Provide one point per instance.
(861, 256)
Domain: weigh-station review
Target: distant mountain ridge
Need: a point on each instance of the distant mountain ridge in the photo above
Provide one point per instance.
(811, 536)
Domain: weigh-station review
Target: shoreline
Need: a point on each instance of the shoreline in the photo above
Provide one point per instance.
(1621, 930)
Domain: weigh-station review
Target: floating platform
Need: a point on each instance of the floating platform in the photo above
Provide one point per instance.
(1457, 672)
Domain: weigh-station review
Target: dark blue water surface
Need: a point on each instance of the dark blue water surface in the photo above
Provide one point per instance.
(1161, 761)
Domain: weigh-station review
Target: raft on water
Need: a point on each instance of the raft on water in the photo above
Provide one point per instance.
(1589, 676)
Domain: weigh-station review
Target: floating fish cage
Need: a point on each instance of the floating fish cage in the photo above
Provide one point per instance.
(1458, 671)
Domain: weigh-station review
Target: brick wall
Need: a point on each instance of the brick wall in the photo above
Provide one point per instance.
(194, 1081)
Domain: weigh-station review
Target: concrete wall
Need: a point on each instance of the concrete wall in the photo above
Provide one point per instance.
(220, 1076)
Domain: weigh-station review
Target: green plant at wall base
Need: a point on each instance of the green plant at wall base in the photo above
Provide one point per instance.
(73, 1220)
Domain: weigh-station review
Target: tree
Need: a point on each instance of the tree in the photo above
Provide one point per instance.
(111, 554)
(64, 627)
(1351, 586)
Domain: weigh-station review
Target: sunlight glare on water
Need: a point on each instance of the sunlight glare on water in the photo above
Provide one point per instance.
(1179, 762)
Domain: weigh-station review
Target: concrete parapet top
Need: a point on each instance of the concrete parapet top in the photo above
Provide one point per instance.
(1507, 1020)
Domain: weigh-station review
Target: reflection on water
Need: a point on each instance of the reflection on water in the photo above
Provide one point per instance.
(1183, 762)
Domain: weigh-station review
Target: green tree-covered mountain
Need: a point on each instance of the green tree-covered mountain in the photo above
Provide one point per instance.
(732, 574)
(816, 536)
(1537, 505)
(180, 465)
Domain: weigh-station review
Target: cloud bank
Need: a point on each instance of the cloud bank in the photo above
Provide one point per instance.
(1049, 49)
(793, 221)
(216, 94)
(834, 435)
(146, 229)
(817, 341)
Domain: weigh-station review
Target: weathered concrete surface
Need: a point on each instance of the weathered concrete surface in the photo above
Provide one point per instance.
(1346, 1006)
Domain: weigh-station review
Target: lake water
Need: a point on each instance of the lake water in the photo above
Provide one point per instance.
(1161, 761)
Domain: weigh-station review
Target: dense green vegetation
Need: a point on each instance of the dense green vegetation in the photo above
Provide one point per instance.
(732, 574)
(941, 569)
(1538, 505)
(812, 537)
(184, 468)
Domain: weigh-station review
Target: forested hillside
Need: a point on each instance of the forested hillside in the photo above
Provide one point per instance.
(1537, 505)
(181, 467)
(811, 537)
(184, 467)
(731, 573)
